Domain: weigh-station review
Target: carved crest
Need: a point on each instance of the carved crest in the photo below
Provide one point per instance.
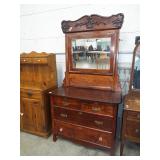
(93, 22)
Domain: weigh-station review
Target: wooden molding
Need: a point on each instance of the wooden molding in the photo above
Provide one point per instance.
(93, 22)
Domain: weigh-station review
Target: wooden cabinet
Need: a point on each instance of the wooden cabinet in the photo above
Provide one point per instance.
(91, 121)
(131, 114)
(38, 76)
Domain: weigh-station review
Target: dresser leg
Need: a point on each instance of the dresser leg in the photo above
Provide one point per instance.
(54, 137)
(121, 148)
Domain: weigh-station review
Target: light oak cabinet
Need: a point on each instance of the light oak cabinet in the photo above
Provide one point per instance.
(37, 76)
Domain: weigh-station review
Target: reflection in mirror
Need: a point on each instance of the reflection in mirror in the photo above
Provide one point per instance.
(136, 72)
(91, 53)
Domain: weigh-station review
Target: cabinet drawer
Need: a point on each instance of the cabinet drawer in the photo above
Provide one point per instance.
(40, 60)
(67, 102)
(132, 129)
(25, 60)
(86, 106)
(133, 115)
(83, 134)
(31, 94)
(98, 108)
(82, 118)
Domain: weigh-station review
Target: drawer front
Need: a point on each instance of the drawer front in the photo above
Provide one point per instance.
(67, 102)
(133, 115)
(31, 94)
(40, 60)
(25, 60)
(86, 106)
(98, 108)
(82, 118)
(132, 129)
(83, 134)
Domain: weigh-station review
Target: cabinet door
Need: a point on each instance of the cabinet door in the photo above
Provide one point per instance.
(31, 114)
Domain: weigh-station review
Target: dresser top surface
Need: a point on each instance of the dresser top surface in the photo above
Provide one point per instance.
(88, 94)
(132, 101)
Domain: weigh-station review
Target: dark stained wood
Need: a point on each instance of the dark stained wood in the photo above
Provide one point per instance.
(89, 94)
(85, 109)
(93, 22)
(37, 77)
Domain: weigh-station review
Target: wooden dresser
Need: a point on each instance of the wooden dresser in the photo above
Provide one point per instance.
(37, 77)
(85, 115)
(131, 114)
(85, 108)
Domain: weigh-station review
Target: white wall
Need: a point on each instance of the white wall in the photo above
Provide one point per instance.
(41, 28)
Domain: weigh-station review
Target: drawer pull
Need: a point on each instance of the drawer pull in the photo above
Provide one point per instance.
(61, 129)
(65, 104)
(96, 109)
(29, 94)
(80, 113)
(38, 60)
(63, 115)
(127, 106)
(137, 130)
(21, 114)
(24, 60)
(100, 139)
(98, 122)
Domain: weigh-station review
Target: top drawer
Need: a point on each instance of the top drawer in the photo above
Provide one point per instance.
(85, 106)
(25, 60)
(40, 60)
(30, 94)
(133, 115)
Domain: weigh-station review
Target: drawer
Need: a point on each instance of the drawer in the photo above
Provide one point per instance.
(31, 94)
(98, 108)
(86, 106)
(132, 129)
(67, 102)
(25, 60)
(83, 118)
(40, 60)
(133, 115)
(84, 134)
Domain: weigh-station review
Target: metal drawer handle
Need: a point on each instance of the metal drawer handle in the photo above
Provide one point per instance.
(80, 113)
(137, 130)
(96, 109)
(38, 60)
(65, 103)
(63, 115)
(100, 139)
(98, 122)
(24, 60)
(61, 129)
(21, 114)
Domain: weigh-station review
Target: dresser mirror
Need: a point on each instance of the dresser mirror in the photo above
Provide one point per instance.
(135, 71)
(91, 53)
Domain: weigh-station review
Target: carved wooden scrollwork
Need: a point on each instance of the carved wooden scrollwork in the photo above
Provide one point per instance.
(93, 22)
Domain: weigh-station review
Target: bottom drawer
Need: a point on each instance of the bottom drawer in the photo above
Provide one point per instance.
(133, 129)
(85, 134)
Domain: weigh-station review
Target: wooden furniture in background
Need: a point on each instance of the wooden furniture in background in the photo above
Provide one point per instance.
(131, 114)
(37, 77)
(85, 108)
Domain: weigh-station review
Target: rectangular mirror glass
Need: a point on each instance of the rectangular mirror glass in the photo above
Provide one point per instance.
(93, 53)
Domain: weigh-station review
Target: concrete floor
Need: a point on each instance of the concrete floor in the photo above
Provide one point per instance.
(31, 145)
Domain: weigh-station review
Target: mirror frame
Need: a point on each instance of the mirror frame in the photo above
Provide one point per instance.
(132, 69)
(113, 34)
